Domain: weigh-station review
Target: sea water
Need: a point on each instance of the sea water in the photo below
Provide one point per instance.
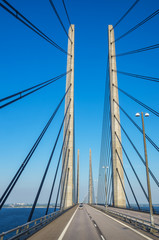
(13, 217)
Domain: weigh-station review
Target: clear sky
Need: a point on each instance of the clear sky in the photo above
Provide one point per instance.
(26, 59)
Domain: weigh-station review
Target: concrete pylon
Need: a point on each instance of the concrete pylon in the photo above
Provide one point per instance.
(70, 188)
(118, 193)
(78, 176)
(90, 192)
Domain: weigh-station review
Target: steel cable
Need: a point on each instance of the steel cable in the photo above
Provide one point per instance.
(152, 47)
(153, 79)
(36, 88)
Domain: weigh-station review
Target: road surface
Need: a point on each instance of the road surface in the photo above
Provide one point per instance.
(90, 224)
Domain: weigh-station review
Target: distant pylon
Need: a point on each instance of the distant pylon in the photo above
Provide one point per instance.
(90, 190)
(70, 197)
(118, 193)
(78, 176)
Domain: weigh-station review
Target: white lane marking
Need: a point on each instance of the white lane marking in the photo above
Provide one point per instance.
(102, 237)
(68, 224)
(126, 226)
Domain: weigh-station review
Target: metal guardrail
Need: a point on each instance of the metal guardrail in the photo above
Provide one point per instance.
(135, 209)
(137, 222)
(27, 229)
(133, 217)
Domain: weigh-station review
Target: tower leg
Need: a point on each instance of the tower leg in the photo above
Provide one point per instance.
(118, 193)
(70, 188)
(90, 193)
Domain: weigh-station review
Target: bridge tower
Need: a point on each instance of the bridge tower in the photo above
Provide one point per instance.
(78, 176)
(69, 185)
(90, 190)
(118, 193)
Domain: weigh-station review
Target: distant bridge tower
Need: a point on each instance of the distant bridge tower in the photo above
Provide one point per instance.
(69, 195)
(90, 190)
(78, 176)
(118, 193)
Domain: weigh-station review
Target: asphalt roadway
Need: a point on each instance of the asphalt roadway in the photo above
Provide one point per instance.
(90, 224)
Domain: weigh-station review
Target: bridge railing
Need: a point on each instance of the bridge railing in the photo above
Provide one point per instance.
(137, 222)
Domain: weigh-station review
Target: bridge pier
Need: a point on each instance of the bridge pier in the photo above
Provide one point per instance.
(118, 193)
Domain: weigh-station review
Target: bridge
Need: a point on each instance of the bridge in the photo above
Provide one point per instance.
(123, 202)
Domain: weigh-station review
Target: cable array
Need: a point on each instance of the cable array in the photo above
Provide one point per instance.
(111, 126)
(65, 123)
(139, 102)
(15, 13)
(141, 158)
(131, 165)
(58, 164)
(27, 159)
(128, 181)
(128, 11)
(54, 8)
(123, 187)
(147, 137)
(138, 25)
(67, 13)
(105, 151)
(47, 167)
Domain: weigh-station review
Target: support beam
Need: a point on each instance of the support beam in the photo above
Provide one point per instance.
(118, 194)
(78, 176)
(70, 197)
(90, 190)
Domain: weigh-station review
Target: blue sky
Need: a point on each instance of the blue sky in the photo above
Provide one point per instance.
(26, 59)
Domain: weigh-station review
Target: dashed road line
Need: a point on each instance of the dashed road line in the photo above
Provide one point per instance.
(98, 230)
(96, 226)
(102, 237)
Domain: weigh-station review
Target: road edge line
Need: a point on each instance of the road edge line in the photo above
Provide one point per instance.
(68, 224)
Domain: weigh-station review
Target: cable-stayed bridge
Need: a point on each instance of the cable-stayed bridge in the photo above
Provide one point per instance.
(115, 210)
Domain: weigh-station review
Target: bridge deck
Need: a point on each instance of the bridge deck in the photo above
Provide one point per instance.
(88, 223)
